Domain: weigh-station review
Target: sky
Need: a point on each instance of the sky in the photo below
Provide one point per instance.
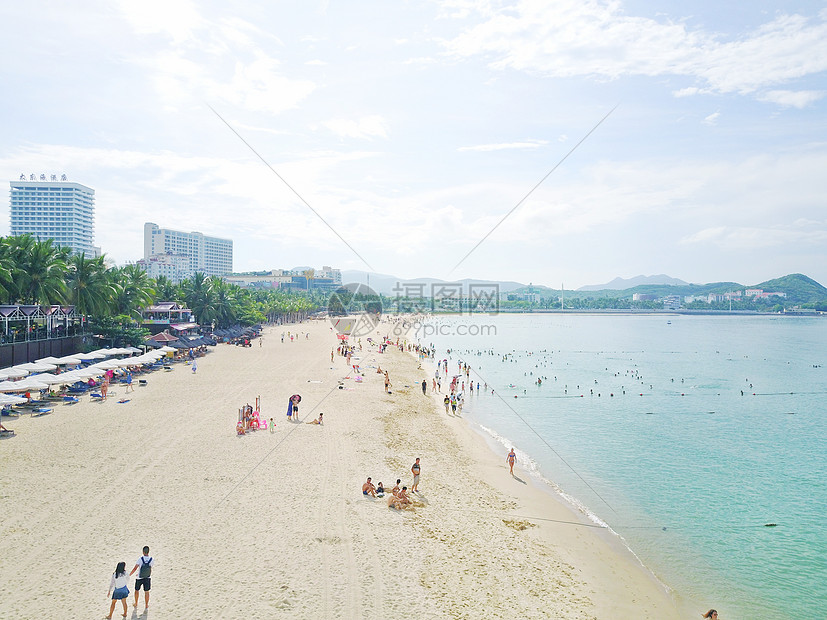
(566, 142)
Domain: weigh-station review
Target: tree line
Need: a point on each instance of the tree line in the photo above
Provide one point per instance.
(38, 272)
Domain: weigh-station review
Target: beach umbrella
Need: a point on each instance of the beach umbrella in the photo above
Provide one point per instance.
(35, 367)
(12, 373)
(12, 386)
(105, 365)
(296, 397)
(47, 378)
(68, 360)
(104, 352)
(8, 399)
(21, 386)
(47, 360)
(166, 349)
(88, 357)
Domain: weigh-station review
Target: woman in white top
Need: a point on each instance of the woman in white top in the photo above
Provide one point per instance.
(118, 588)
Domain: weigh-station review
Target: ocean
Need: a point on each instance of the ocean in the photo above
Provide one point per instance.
(699, 440)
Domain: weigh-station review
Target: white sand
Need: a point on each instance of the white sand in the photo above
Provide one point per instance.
(274, 525)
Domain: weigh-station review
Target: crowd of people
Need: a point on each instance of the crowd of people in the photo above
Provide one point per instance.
(398, 497)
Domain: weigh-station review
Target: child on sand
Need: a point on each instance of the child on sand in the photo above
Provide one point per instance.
(272, 426)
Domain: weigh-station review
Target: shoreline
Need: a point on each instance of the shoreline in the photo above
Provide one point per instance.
(543, 494)
(272, 524)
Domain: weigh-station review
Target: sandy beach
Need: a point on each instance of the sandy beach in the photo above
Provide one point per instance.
(273, 524)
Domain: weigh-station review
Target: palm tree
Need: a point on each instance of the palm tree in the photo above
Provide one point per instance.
(166, 290)
(41, 272)
(199, 297)
(133, 290)
(89, 287)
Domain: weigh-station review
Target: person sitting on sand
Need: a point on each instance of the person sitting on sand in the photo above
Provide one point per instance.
(369, 489)
(319, 420)
(380, 490)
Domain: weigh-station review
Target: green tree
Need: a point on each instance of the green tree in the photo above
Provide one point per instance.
(89, 287)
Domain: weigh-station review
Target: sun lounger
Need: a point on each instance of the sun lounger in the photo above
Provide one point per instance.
(42, 411)
(7, 433)
(95, 396)
(142, 382)
(70, 400)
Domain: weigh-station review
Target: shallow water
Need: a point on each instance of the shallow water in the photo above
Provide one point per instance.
(643, 422)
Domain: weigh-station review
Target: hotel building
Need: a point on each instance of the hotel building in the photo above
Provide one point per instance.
(57, 210)
(171, 252)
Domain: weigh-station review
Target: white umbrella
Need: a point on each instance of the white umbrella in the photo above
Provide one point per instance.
(8, 399)
(86, 357)
(21, 386)
(105, 365)
(81, 374)
(68, 360)
(31, 384)
(47, 378)
(12, 373)
(47, 360)
(167, 349)
(12, 386)
(35, 367)
(104, 352)
(127, 361)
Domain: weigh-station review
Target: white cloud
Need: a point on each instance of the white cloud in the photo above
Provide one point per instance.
(366, 127)
(712, 119)
(755, 238)
(597, 38)
(792, 98)
(526, 144)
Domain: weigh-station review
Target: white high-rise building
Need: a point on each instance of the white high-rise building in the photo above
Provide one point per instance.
(211, 256)
(57, 210)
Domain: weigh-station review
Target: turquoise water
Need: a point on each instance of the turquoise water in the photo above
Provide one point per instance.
(682, 465)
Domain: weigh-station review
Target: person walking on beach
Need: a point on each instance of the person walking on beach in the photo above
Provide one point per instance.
(415, 469)
(144, 567)
(118, 588)
(129, 386)
(424, 387)
(511, 459)
(194, 366)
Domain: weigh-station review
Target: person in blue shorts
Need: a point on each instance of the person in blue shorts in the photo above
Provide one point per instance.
(118, 588)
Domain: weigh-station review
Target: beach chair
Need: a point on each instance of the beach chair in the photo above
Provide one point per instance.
(70, 400)
(6, 433)
(95, 397)
(41, 411)
(142, 382)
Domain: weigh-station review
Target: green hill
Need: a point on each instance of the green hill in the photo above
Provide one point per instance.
(799, 288)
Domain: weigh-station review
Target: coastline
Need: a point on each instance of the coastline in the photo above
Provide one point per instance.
(623, 586)
(273, 524)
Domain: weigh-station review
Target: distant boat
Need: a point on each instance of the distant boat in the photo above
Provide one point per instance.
(668, 322)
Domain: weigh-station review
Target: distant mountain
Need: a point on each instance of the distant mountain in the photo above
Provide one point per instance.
(799, 288)
(621, 284)
(392, 286)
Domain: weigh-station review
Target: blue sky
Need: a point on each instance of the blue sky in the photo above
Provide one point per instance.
(413, 128)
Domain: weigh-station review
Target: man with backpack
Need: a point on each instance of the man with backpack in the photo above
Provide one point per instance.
(144, 567)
